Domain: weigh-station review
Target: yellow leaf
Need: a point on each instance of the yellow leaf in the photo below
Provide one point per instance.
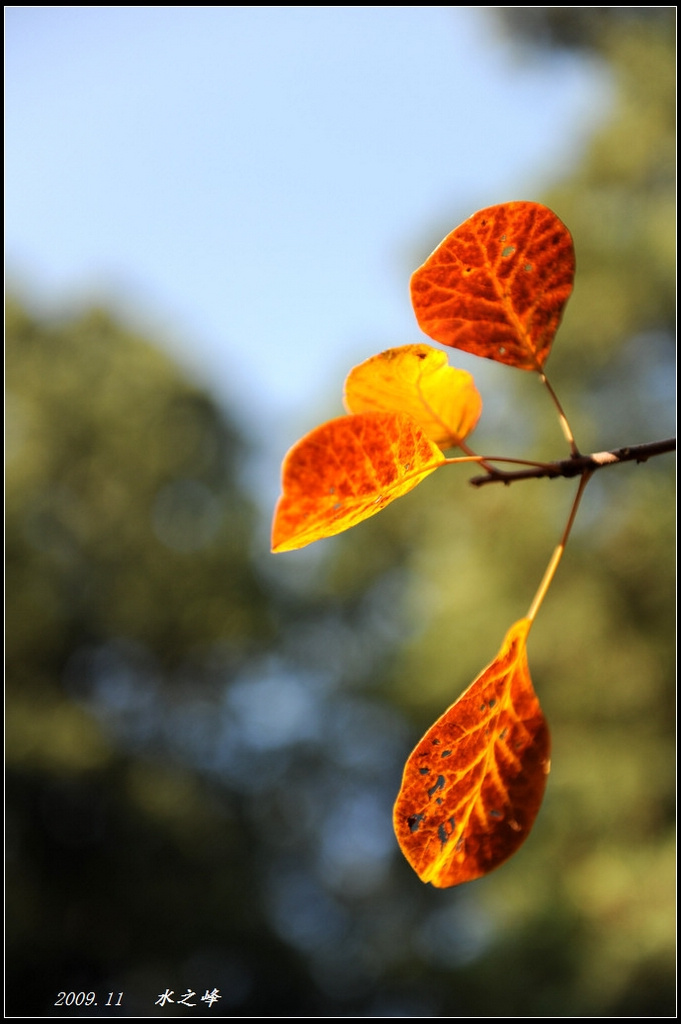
(347, 470)
(417, 379)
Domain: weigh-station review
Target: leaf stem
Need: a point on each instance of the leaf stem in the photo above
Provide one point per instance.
(483, 462)
(565, 426)
(537, 468)
(558, 553)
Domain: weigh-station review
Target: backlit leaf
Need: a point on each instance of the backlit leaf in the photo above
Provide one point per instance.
(417, 379)
(347, 470)
(496, 286)
(473, 785)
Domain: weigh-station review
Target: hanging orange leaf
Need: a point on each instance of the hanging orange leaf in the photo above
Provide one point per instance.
(347, 470)
(473, 785)
(417, 379)
(496, 286)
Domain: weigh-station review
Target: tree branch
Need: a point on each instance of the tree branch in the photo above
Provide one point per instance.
(578, 464)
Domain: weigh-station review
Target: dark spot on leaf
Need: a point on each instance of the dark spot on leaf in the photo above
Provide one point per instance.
(446, 753)
(492, 702)
(508, 250)
(414, 822)
(495, 814)
(442, 833)
(424, 771)
(438, 785)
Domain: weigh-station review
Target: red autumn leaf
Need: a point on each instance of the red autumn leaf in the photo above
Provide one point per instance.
(347, 470)
(496, 286)
(417, 379)
(473, 785)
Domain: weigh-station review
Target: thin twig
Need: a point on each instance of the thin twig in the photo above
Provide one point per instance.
(576, 466)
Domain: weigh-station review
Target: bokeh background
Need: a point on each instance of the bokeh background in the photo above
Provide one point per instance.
(211, 215)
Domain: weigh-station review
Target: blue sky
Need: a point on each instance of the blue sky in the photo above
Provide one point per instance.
(257, 183)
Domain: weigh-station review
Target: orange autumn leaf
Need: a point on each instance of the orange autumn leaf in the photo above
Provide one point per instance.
(473, 785)
(497, 285)
(347, 470)
(417, 379)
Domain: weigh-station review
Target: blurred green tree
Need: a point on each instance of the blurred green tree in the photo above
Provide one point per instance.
(129, 589)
